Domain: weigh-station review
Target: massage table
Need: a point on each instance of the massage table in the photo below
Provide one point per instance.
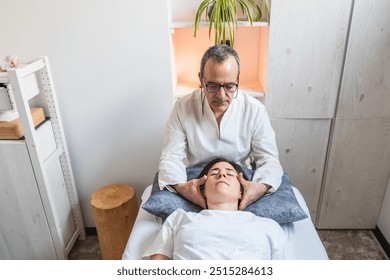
(303, 242)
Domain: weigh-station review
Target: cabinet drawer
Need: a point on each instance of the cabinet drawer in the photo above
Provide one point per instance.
(45, 141)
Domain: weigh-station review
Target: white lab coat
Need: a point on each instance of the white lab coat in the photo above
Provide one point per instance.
(193, 137)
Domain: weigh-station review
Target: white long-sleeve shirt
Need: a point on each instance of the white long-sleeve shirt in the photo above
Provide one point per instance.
(193, 137)
(219, 235)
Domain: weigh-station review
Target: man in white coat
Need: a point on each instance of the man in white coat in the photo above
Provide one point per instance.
(218, 120)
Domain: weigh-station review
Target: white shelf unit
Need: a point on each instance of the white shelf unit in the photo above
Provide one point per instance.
(203, 23)
(39, 207)
(251, 43)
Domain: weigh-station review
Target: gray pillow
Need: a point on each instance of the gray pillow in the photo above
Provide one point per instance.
(281, 206)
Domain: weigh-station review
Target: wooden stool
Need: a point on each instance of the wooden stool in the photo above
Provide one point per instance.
(114, 210)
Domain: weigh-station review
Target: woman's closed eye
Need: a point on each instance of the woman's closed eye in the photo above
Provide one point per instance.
(215, 172)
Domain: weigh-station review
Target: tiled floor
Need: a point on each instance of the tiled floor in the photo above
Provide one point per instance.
(340, 245)
(352, 245)
(87, 249)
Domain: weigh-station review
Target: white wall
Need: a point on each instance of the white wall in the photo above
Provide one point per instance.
(384, 217)
(184, 10)
(112, 71)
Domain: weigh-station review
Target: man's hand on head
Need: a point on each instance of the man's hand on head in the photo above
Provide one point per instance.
(252, 191)
(191, 191)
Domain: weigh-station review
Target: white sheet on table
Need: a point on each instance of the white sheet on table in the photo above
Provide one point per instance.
(303, 242)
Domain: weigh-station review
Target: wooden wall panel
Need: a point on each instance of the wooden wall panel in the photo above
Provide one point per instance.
(302, 148)
(365, 90)
(357, 172)
(306, 52)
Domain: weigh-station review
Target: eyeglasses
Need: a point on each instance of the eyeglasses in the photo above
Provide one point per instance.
(213, 88)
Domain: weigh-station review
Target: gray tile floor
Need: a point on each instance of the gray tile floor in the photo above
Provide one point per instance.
(352, 245)
(87, 249)
(340, 245)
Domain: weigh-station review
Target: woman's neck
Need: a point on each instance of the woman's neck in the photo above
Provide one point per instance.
(226, 206)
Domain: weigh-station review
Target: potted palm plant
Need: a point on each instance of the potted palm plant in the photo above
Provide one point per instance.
(222, 15)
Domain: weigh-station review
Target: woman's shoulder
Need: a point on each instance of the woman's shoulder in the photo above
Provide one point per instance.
(182, 214)
(178, 212)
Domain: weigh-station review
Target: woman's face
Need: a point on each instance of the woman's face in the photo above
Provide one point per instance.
(222, 183)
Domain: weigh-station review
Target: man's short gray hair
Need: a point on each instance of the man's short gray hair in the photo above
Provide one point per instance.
(219, 53)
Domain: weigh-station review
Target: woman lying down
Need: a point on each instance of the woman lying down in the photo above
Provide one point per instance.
(220, 231)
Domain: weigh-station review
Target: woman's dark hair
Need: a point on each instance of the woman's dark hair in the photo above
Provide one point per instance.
(208, 166)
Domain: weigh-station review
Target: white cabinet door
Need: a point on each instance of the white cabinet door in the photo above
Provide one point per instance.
(24, 232)
(366, 79)
(306, 52)
(359, 158)
(302, 148)
(357, 172)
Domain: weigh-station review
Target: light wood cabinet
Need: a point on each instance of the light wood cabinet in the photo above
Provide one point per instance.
(332, 69)
(365, 87)
(357, 173)
(40, 215)
(306, 54)
(359, 154)
(24, 230)
(303, 145)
